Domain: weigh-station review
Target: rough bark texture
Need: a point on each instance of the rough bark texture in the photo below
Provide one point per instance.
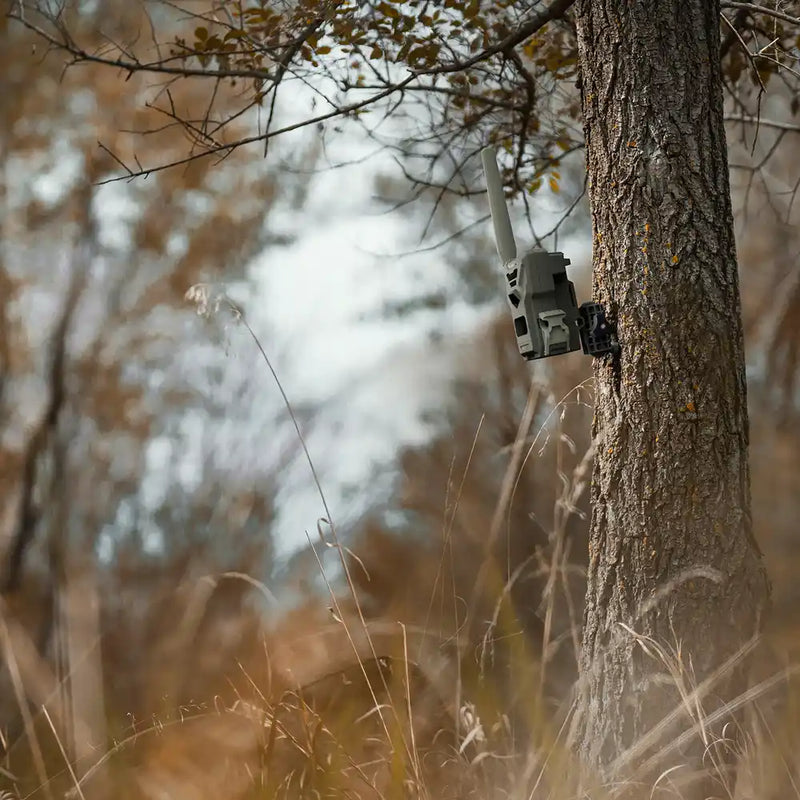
(671, 550)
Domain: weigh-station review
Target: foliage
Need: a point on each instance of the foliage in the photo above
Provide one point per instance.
(469, 73)
(232, 707)
(101, 359)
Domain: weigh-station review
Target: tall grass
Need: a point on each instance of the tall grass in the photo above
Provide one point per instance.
(443, 665)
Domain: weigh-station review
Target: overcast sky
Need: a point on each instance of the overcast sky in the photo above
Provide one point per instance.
(372, 378)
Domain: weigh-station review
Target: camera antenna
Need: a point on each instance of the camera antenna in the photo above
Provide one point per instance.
(540, 296)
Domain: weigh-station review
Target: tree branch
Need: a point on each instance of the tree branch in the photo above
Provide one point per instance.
(130, 66)
(767, 123)
(554, 11)
(756, 9)
(261, 137)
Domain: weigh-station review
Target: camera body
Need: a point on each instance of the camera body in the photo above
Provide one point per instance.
(547, 318)
(542, 302)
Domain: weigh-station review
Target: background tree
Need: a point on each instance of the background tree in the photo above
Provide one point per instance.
(663, 247)
(101, 358)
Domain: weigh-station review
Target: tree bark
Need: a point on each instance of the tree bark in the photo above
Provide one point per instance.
(672, 556)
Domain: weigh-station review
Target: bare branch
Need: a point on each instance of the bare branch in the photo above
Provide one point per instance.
(756, 9)
(131, 66)
(767, 123)
(227, 148)
(461, 94)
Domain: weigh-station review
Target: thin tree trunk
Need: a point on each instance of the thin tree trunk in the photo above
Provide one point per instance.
(672, 555)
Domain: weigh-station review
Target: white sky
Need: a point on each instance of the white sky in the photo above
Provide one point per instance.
(317, 305)
(372, 379)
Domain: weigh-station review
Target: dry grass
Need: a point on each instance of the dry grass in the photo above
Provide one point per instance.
(444, 667)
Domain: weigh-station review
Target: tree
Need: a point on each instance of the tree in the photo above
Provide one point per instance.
(672, 557)
(99, 352)
(676, 581)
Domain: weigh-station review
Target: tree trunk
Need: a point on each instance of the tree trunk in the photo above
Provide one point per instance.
(672, 556)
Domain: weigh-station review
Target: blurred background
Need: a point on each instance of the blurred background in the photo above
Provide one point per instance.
(173, 576)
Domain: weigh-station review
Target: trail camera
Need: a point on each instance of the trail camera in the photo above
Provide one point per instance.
(547, 318)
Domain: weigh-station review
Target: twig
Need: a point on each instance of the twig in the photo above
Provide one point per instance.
(767, 123)
(536, 22)
(230, 146)
(756, 9)
(131, 66)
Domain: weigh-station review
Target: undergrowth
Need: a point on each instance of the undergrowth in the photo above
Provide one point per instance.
(442, 665)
